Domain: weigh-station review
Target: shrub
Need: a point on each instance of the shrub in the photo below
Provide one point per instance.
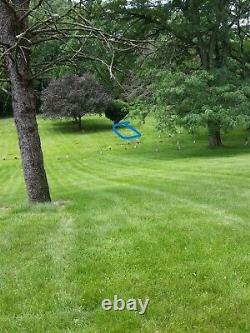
(74, 96)
(117, 110)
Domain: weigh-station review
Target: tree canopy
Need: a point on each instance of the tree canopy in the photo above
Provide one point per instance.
(197, 59)
(74, 96)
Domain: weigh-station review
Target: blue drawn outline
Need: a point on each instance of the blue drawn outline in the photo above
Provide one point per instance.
(125, 124)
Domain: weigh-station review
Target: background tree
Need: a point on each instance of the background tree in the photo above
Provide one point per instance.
(5, 99)
(190, 35)
(215, 100)
(74, 96)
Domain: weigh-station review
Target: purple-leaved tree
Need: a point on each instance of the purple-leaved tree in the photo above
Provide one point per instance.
(74, 96)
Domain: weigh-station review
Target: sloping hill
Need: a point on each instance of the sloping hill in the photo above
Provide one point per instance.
(151, 220)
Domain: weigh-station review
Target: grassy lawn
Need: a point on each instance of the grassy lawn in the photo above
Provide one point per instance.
(147, 220)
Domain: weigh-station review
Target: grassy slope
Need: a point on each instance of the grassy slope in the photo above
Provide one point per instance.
(155, 221)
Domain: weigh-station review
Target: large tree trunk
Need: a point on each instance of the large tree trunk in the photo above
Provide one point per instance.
(214, 136)
(78, 120)
(24, 108)
(23, 101)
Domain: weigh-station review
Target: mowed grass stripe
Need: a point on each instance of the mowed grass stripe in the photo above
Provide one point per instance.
(12, 183)
(82, 175)
(154, 221)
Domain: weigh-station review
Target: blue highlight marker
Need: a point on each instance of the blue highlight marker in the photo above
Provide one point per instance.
(116, 126)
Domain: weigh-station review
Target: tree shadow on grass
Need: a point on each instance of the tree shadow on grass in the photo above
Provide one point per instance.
(189, 152)
(167, 150)
(88, 126)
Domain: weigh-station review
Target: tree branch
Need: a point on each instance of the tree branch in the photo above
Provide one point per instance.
(31, 10)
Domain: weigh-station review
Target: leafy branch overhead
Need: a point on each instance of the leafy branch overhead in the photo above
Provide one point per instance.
(68, 26)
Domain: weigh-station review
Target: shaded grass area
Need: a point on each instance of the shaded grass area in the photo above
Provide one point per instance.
(89, 125)
(159, 220)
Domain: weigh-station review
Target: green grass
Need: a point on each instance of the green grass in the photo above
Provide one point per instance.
(152, 221)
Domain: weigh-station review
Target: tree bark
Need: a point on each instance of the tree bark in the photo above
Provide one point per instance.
(24, 105)
(214, 136)
(80, 122)
(24, 108)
